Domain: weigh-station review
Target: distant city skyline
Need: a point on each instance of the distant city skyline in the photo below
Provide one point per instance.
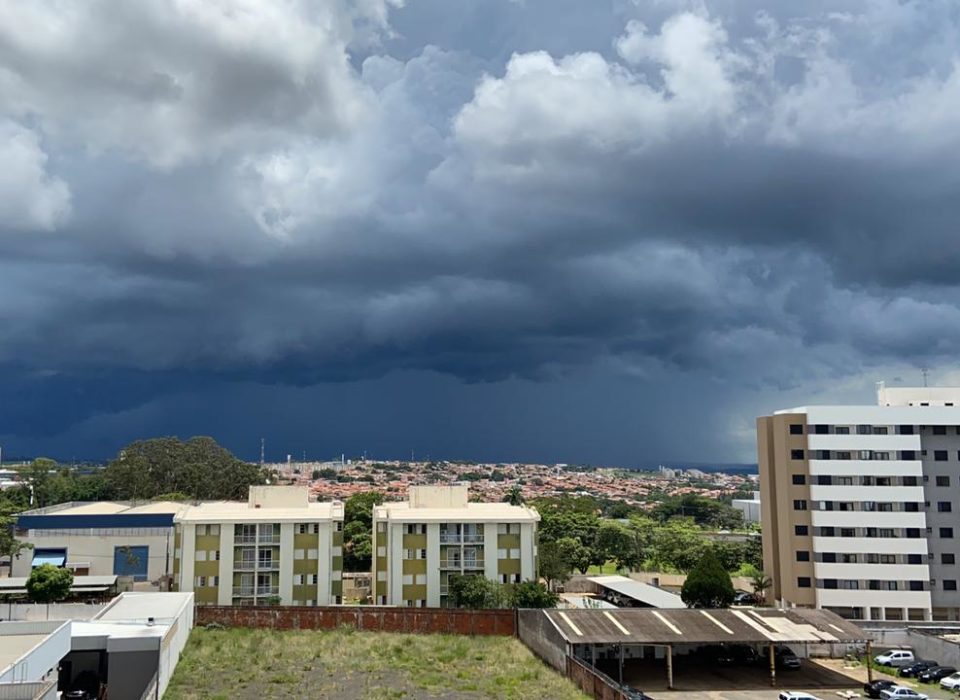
(607, 233)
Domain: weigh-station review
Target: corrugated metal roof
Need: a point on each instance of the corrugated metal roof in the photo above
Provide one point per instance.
(640, 591)
(688, 626)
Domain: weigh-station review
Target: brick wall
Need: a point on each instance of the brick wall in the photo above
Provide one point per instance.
(375, 619)
(593, 684)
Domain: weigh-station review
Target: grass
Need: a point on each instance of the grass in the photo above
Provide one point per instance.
(350, 665)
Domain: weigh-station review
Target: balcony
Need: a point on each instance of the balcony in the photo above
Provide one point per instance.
(268, 538)
(244, 565)
(244, 539)
(444, 590)
(268, 564)
(466, 538)
(250, 591)
(466, 564)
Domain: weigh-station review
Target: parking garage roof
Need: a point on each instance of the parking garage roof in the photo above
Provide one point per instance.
(690, 626)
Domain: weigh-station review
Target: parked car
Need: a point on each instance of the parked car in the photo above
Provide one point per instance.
(873, 688)
(951, 682)
(901, 692)
(895, 657)
(932, 675)
(744, 598)
(785, 658)
(736, 655)
(916, 668)
(791, 695)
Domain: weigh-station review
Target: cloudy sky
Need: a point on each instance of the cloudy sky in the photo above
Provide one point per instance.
(602, 231)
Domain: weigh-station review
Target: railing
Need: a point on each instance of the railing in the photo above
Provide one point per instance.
(467, 538)
(268, 539)
(461, 563)
(249, 591)
(262, 538)
(271, 565)
(444, 590)
(244, 539)
(244, 565)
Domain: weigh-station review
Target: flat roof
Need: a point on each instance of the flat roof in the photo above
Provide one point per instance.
(400, 511)
(107, 508)
(14, 647)
(79, 582)
(132, 606)
(693, 626)
(242, 511)
(638, 590)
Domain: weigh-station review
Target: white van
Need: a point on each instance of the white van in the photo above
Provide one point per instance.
(894, 657)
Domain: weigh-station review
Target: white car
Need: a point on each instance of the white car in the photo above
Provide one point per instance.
(901, 692)
(894, 657)
(790, 695)
(951, 682)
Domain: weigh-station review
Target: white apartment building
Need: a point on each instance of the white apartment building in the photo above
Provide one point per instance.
(278, 547)
(861, 503)
(437, 533)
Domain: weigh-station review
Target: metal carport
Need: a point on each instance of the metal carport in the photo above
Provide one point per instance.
(667, 628)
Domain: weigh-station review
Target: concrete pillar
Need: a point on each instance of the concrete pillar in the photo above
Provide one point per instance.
(773, 666)
(670, 667)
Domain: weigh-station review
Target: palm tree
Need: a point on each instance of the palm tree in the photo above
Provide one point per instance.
(760, 583)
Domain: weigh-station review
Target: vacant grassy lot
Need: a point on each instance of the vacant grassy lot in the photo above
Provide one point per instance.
(350, 665)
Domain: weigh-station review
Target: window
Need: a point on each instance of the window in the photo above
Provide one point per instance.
(799, 479)
(885, 507)
(800, 530)
(829, 557)
(906, 430)
(201, 555)
(943, 481)
(946, 532)
(201, 581)
(827, 532)
(842, 430)
(864, 430)
(910, 481)
(803, 582)
(949, 585)
(799, 505)
(911, 507)
(339, 526)
(881, 456)
(796, 454)
(803, 556)
(848, 585)
(824, 480)
(830, 584)
(848, 532)
(948, 558)
(821, 429)
(939, 430)
(914, 558)
(843, 455)
(888, 558)
(298, 554)
(312, 553)
(940, 455)
(298, 579)
(908, 455)
(880, 430)
(916, 585)
(944, 507)
(848, 558)
(796, 429)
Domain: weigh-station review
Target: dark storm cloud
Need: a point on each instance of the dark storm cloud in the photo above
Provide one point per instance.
(760, 195)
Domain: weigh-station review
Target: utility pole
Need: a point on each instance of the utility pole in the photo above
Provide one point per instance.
(263, 443)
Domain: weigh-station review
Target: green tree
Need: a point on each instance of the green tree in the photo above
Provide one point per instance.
(760, 582)
(532, 594)
(554, 567)
(574, 553)
(10, 546)
(359, 507)
(514, 495)
(357, 547)
(705, 512)
(38, 476)
(198, 467)
(49, 584)
(478, 592)
(614, 542)
(708, 584)
(677, 546)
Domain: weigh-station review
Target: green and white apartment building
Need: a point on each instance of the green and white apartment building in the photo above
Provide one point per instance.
(277, 547)
(437, 533)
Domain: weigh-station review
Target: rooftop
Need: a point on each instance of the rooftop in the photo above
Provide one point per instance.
(402, 511)
(108, 508)
(688, 626)
(639, 591)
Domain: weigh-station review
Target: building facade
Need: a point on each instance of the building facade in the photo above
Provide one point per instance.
(860, 505)
(277, 548)
(99, 539)
(437, 533)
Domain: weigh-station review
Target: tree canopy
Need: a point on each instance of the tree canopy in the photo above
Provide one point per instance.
(199, 468)
(708, 584)
(49, 584)
(478, 592)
